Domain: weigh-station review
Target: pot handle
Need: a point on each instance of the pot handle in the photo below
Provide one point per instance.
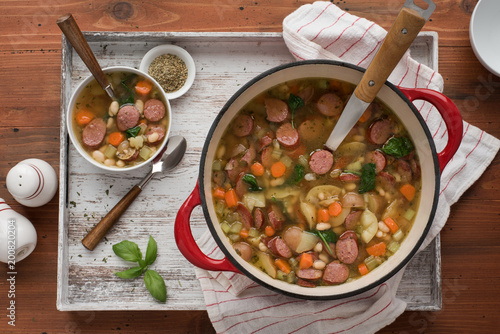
(451, 116)
(185, 240)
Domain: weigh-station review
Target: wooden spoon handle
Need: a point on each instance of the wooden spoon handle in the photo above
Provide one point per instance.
(68, 26)
(98, 232)
(399, 38)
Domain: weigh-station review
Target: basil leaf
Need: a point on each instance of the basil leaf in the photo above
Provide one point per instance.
(132, 132)
(327, 236)
(155, 285)
(130, 273)
(128, 250)
(398, 147)
(142, 264)
(252, 181)
(151, 251)
(367, 178)
(294, 102)
(298, 175)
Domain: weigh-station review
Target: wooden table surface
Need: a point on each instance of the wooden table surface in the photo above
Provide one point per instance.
(30, 59)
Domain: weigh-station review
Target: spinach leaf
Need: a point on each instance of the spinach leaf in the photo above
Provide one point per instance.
(367, 178)
(298, 174)
(327, 236)
(398, 147)
(294, 103)
(252, 181)
(132, 132)
(126, 98)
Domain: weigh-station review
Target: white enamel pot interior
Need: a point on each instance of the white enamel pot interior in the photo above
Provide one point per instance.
(404, 110)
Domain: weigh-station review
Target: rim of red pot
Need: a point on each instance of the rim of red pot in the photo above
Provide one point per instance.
(294, 290)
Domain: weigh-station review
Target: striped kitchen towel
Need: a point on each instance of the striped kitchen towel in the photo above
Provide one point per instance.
(235, 304)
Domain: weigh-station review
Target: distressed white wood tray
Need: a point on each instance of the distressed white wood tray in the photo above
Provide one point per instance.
(224, 62)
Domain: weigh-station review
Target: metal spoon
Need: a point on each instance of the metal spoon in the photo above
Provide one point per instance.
(68, 26)
(164, 162)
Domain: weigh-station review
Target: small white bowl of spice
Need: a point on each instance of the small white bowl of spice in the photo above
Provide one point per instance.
(172, 67)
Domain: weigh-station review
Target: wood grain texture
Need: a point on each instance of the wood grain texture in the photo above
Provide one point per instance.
(30, 44)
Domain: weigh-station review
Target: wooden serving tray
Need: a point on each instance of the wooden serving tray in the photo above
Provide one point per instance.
(224, 62)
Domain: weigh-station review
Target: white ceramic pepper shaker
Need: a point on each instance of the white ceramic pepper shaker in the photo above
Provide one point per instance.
(17, 235)
(32, 182)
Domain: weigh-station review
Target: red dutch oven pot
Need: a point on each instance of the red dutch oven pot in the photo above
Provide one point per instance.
(399, 100)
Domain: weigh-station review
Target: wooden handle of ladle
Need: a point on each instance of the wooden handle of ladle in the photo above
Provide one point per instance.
(68, 26)
(99, 231)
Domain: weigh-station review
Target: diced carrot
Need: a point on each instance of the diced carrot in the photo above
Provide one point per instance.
(335, 209)
(366, 115)
(244, 233)
(257, 169)
(408, 191)
(84, 117)
(115, 138)
(219, 193)
(363, 269)
(283, 265)
(278, 169)
(322, 216)
(143, 87)
(391, 224)
(143, 121)
(306, 261)
(231, 198)
(377, 249)
(269, 231)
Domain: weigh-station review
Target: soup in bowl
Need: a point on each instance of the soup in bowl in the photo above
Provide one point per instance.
(122, 134)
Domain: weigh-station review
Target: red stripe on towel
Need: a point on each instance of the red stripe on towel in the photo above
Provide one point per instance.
(342, 33)
(305, 25)
(362, 36)
(331, 25)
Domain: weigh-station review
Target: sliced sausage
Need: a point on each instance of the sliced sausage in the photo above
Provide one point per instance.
(127, 117)
(349, 177)
(265, 141)
(241, 187)
(232, 169)
(250, 154)
(288, 136)
(310, 274)
(379, 131)
(244, 250)
(378, 158)
(335, 273)
(310, 130)
(154, 110)
(352, 200)
(330, 104)
(415, 168)
(94, 132)
(279, 247)
(258, 218)
(266, 157)
(292, 237)
(133, 156)
(386, 180)
(321, 162)
(349, 234)
(347, 250)
(404, 170)
(160, 130)
(219, 177)
(276, 109)
(276, 217)
(306, 94)
(242, 126)
(246, 216)
(305, 283)
(352, 220)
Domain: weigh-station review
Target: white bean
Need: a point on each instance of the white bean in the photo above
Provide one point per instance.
(98, 156)
(110, 162)
(140, 106)
(110, 123)
(379, 234)
(358, 138)
(153, 137)
(310, 177)
(323, 226)
(113, 108)
(319, 264)
(277, 182)
(383, 227)
(262, 247)
(120, 163)
(350, 186)
(319, 247)
(324, 257)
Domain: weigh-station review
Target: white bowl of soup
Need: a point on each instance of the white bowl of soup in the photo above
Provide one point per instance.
(123, 134)
(304, 221)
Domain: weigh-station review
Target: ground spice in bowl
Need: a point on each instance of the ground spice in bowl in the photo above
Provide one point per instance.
(170, 72)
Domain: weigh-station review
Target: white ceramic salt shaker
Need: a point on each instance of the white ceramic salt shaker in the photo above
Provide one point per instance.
(17, 235)
(32, 182)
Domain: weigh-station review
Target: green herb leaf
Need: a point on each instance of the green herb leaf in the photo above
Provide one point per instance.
(252, 181)
(151, 251)
(128, 250)
(294, 103)
(398, 147)
(130, 273)
(367, 178)
(297, 175)
(155, 285)
(132, 132)
(142, 264)
(327, 236)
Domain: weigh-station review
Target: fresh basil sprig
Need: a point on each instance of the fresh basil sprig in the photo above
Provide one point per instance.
(252, 182)
(367, 178)
(398, 147)
(129, 251)
(327, 236)
(294, 103)
(133, 132)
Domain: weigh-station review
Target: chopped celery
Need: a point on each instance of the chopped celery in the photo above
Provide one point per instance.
(217, 165)
(293, 262)
(234, 237)
(303, 161)
(110, 151)
(254, 199)
(287, 161)
(372, 262)
(225, 227)
(409, 214)
(398, 235)
(323, 84)
(254, 233)
(281, 275)
(276, 154)
(145, 152)
(236, 227)
(291, 277)
(220, 206)
(393, 246)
